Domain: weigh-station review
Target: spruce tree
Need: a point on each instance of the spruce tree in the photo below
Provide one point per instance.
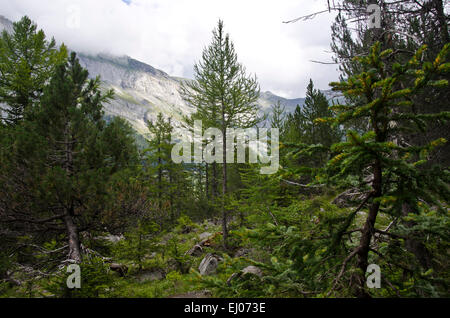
(70, 117)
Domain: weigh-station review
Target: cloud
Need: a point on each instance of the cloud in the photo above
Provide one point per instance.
(171, 35)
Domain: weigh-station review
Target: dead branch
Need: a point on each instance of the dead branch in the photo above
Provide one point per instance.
(341, 272)
(302, 185)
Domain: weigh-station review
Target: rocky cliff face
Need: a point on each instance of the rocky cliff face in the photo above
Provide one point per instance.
(141, 91)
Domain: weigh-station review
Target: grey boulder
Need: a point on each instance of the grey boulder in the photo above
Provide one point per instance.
(208, 265)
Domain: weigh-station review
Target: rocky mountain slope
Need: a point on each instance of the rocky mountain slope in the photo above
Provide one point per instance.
(143, 91)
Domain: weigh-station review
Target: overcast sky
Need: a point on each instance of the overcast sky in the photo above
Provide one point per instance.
(171, 34)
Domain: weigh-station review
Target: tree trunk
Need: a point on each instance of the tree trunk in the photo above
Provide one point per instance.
(224, 185)
(159, 178)
(171, 184)
(74, 240)
(139, 256)
(207, 181)
(368, 230)
(439, 6)
(214, 179)
(72, 230)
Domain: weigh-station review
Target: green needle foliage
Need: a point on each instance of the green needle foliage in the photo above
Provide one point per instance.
(390, 171)
(27, 62)
(361, 182)
(224, 97)
(167, 181)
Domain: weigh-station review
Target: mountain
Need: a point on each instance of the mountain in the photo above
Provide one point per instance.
(267, 99)
(142, 91)
(5, 24)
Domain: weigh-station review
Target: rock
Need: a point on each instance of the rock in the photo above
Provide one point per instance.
(196, 251)
(208, 265)
(148, 276)
(208, 241)
(112, 238)
(243, 252)
(348, 198)
(205, 236)
(252, 270)
(119, 268)
(182, 266)
(208, 224)
(211, 224)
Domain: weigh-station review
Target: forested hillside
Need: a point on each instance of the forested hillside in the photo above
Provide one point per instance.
(358, 206)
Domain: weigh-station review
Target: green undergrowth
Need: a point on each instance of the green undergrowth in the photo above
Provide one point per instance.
(298, 250)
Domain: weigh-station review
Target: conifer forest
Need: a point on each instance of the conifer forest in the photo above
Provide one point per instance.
(345, 195)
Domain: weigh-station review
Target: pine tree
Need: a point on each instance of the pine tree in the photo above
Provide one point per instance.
(70, 117)
(27, 61)
(55, 178)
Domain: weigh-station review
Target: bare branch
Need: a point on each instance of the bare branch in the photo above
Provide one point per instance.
(341, 272)
(302, 185)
